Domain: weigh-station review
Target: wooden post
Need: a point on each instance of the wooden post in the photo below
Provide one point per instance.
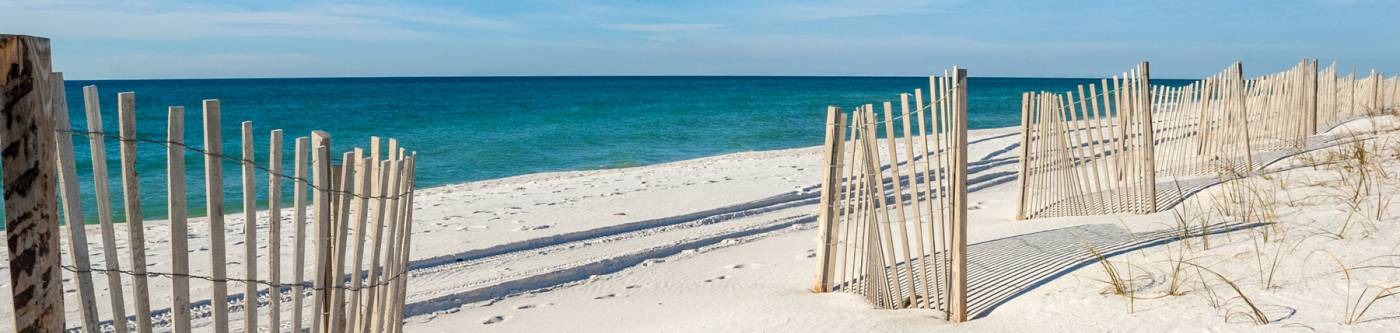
(299, 184)
(102, 191)
(31, 214)
(321, 168)
(381, 294)
(1375, 92)
(1149, 138)
(378, 193)
(214, 203)
(1023, 160)
(73, 206)
(30, 195)
(131, 198)
(361, 219)
(340, 234)
(402, 282)
(274, 229)
(250, 229)
(1311, 92)
(179, 224)
(1243, 120)
(959, 231)
(831, 180)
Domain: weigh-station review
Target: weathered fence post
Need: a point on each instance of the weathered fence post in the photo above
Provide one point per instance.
(31, 212)
(1375, 92)
(73, 207)
(1149, 139)
(214, 203)
(1311, 92)
(831, 183)
(1244, 114)
(959, 230)
(1023, 160)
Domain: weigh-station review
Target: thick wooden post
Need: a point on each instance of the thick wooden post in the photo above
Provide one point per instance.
(1375, 92)
(1311, 92)
(31, 210)
(830, 197)
(1149, 138)
(958, 310)
(1243, 121)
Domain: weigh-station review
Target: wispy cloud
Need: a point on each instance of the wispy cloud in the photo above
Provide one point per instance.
(806, 11)
(318, 21)
(663, 27)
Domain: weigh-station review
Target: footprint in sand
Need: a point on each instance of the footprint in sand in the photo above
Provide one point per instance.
(742, 266)
(525, 307)
(721, 277)
(493, 320)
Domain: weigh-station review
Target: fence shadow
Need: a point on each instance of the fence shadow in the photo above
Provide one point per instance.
(1003, 269)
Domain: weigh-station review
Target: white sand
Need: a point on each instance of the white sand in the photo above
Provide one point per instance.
(726, 244)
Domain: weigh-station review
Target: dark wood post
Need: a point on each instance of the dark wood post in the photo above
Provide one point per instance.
(31, 206)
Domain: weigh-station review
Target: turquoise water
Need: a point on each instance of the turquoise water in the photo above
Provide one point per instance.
(476, 128)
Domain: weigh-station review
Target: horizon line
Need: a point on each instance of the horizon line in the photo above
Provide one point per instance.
(584, 76)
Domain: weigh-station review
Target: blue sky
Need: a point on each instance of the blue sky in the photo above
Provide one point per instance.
(1068, 38)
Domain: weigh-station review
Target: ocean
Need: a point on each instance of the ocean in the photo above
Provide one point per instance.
(476, 128)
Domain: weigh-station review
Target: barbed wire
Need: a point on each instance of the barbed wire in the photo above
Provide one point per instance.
(239, 160)
(381, 283)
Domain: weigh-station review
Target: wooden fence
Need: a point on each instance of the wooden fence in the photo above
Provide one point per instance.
(915, 258)
(1069, 149)
(361, 213)
(1075, 161)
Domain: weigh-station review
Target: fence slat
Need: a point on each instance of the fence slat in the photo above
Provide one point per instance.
(73, 206)
(393, 201)
(214, 203)
(250, 230)
(360, 218)
(341, 232)
(299, 232)
(958, 271)
(321, 167)
(401, 276)
(131, 194)
(826, 220)
(179, 223)
(377, 235)
(274, 229)
(102, 190)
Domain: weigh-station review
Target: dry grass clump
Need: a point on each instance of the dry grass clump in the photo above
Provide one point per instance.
(1361, 180)
(1356, 305)
(1255, 314)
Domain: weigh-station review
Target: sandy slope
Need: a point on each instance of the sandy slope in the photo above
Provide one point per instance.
(1027, 276)
(725, 244)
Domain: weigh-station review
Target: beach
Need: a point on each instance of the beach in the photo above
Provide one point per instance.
(728, 243)
(762, 282)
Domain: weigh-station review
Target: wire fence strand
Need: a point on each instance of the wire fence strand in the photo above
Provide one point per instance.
(202, 151)
(381, 283)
